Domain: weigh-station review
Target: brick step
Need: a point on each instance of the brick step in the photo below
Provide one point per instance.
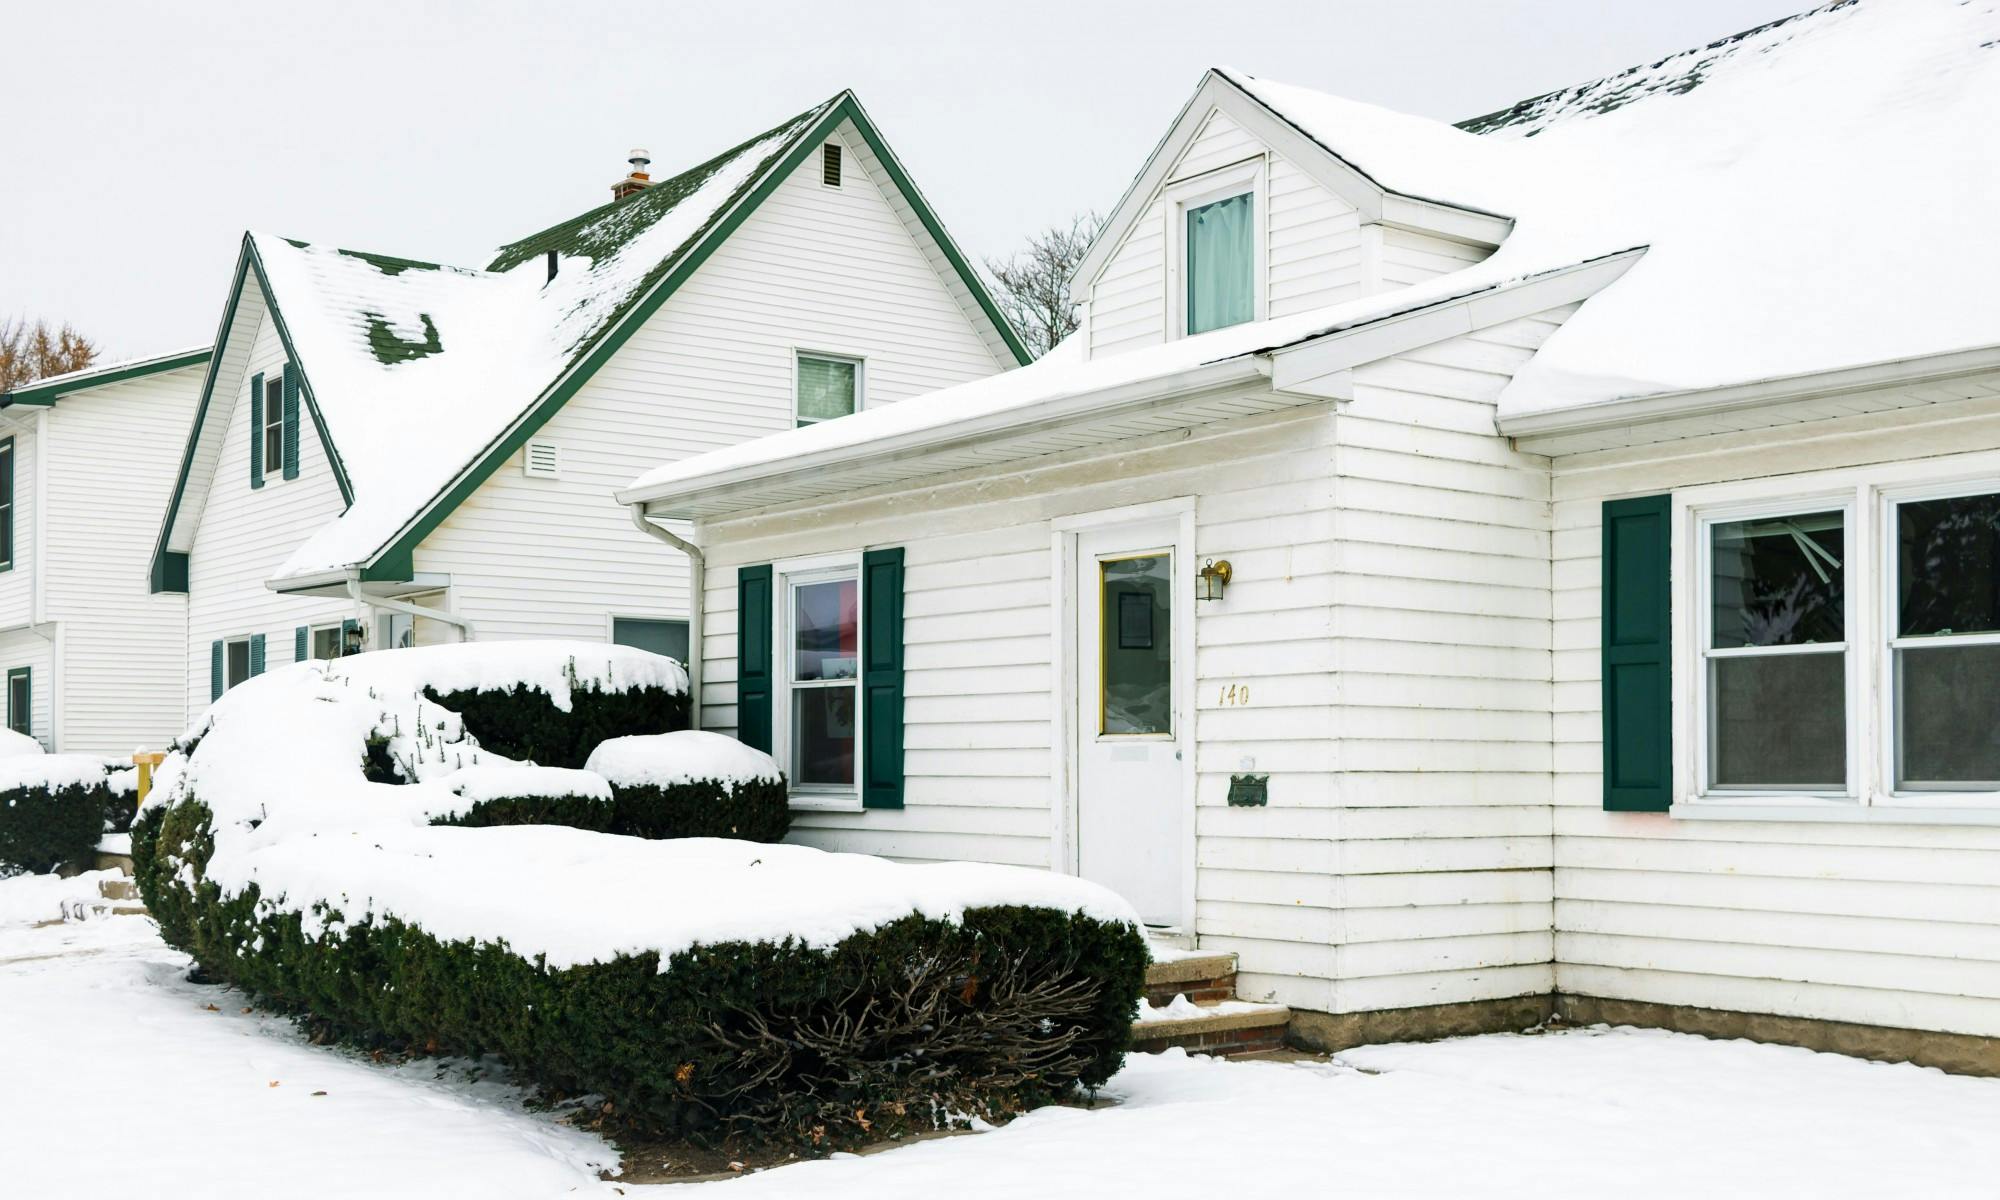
(1225, 1030)
(1202, 978)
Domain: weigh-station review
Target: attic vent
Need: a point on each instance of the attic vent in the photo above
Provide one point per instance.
(542, 460)
(829, 164)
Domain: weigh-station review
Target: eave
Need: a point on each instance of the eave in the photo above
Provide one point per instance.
(44, 392)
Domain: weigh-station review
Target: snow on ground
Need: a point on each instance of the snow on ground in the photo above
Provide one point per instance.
(121, 1082)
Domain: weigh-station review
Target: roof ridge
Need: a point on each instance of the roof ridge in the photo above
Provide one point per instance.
(513, 254)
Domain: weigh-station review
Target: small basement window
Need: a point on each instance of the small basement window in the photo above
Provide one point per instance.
(542, 460)
(827, 387)
(829, 164)
(274, 427)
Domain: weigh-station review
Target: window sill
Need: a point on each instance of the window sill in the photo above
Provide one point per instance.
(836, 802)
(1839, 812)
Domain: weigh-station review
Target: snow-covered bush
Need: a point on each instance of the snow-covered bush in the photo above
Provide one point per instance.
(521, 709)
(55, 807)
(13, 743)
(529, 796)
(693, 784)
(705, 988)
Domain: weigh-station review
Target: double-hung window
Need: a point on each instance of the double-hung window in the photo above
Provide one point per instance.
(827, 386)
(1943, 619)
(1775, 655)
(273, 432)
(819, 673)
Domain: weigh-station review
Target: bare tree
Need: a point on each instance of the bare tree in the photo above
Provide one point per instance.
(31, 352)
(1034, 281)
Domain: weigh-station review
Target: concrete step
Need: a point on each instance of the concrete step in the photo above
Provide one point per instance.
(1227, 1029)
(1202, 978)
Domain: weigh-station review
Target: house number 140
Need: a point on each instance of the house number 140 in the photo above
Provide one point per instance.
(1235, 695)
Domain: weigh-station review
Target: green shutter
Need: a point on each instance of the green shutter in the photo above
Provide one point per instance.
(1637, 642)
(215, 678)
(291, 416)
(256, 654)
(347, 626)
(753, 656)
(257, 430)
(301, 643)
(882, 678)
(7, 453)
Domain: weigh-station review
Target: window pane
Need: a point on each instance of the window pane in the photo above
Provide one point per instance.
(1219, 266)
(1780, 721)
(239, 663)
(826, 630)
(823, 735)
(661, 637)
(826, 389)
(326, 643)
(1948, 716)
(1778, 581)
(1138, 645)
(1949, 569)
(17, 703)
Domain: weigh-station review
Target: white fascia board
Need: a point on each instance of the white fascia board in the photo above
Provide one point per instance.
(1305, 367)
(951, 435)
(1661, 406)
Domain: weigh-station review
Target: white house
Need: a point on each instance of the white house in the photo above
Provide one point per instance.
(390, 451)
(1272, 598)
(93, 658)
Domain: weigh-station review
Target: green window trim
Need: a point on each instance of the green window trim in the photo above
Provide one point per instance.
(256, 655)
(218, 681)
(257, 430)
(753, 656)
(22, 722)
(291, 422)
(1636, 641)
(882, 678)
(301, 643)
(8, 457)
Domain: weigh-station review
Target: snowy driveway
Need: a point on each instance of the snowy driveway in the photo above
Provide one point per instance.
(117, 1080)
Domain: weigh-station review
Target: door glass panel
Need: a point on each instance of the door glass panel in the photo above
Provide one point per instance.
(1780, 720)
(826, 630)
(1778, 581)
(823, 735)
(1137, 639)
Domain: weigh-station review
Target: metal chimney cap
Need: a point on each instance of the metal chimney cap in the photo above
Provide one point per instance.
(639, 158)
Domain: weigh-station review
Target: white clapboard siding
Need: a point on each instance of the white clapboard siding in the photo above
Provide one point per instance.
(246, 533)
(35, 650)
(814, 268)
(1410, 257)
(1873, 923)
(111, 460)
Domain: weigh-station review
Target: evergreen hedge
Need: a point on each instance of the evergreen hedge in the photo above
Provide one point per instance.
(45, 828)
(753, 810)
(915, 1025)
(524, 724)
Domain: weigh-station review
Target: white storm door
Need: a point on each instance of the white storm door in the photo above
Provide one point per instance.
(1129, 806)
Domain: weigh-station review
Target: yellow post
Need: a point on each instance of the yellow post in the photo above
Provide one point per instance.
(146, 760)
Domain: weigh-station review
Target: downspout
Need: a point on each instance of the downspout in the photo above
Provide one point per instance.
(463, 624)
(696, 575)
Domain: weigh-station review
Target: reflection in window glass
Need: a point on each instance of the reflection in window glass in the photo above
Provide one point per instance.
(826, 658)
(1949, 566)
(1778, 581)
(1138, 645)
(823, 736)
(826, 630)
(1947, 587)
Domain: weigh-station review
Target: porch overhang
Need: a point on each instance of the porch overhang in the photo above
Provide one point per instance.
(335, 584)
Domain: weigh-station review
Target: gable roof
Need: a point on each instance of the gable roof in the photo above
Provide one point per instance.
(1817, 193)
(422, 378)
(48, 390)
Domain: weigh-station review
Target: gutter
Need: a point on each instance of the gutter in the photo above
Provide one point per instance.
(1697, 402)
(697, 575)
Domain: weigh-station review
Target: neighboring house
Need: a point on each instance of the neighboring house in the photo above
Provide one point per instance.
(391, 451)
(1389, 374)
(93, 659)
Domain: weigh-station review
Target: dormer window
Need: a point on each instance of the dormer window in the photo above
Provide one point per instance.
(1215, 236)
(1220, 271)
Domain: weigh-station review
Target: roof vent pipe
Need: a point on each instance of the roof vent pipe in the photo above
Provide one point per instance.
(638, 180)
(552, 264)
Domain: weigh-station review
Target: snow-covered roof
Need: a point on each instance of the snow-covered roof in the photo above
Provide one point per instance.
(1816, 193)
(47, 389)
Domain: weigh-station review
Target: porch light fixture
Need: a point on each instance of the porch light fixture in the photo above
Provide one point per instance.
(1211, 580)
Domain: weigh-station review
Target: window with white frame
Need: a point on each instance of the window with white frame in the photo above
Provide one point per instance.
(326, 642)
(237, 662)
(827, 386)
(1775, 654)
(274, 427)
(819, 678)
(1217, 275)
(1943, 623)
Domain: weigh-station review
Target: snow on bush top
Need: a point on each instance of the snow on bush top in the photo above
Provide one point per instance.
(553, 666)
(12, 743)
(53, 771)
(596, 896)
(492, 781)
(666, 759)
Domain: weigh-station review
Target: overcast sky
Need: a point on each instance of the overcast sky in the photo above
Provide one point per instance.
(144, 138)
